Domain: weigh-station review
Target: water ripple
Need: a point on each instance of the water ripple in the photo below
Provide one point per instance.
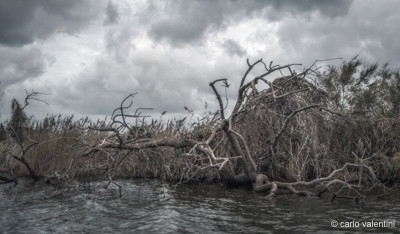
(151, 206)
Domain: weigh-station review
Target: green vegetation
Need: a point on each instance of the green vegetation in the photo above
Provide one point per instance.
(363, 90)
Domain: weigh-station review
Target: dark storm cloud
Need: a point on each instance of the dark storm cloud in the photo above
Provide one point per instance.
(368, 30)
(16, 66)
(233, 48)
(112, 14)
(180, 21)
(22, 21)
(325, 7)
(19, 65)
(169, 51)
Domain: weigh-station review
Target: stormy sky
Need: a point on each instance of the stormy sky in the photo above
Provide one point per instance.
(87, 55)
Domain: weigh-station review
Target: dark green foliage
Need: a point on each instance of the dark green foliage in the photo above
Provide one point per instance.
(18, 121)
(363, 90)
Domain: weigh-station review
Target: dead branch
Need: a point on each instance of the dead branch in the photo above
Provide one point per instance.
(32, 96)
(8, 180)
(287, 121)
(28, 167)
(221, 105)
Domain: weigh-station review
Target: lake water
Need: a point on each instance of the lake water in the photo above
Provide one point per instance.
(150, 206)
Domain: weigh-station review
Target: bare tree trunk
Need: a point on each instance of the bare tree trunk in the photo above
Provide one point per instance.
(28, 167)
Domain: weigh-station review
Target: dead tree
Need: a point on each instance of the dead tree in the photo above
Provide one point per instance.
(225, 149)
(19, 143)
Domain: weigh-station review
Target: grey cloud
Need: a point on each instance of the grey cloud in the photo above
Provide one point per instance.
(97, 89)
(162, 83)
(233, 48)
(325, 7)
(177, 31)
(364, 31)
(112, 14)
(180, 22)
(119, 42)
(22, 22)
(17, 65)
(169, 78)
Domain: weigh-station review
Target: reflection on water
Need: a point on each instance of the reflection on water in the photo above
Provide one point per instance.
(153, 207)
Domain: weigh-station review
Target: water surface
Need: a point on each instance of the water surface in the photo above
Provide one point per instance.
(150, 206)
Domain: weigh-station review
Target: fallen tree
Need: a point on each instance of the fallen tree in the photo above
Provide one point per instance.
(270, 127)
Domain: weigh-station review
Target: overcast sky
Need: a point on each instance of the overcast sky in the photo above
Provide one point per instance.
(87, 55)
